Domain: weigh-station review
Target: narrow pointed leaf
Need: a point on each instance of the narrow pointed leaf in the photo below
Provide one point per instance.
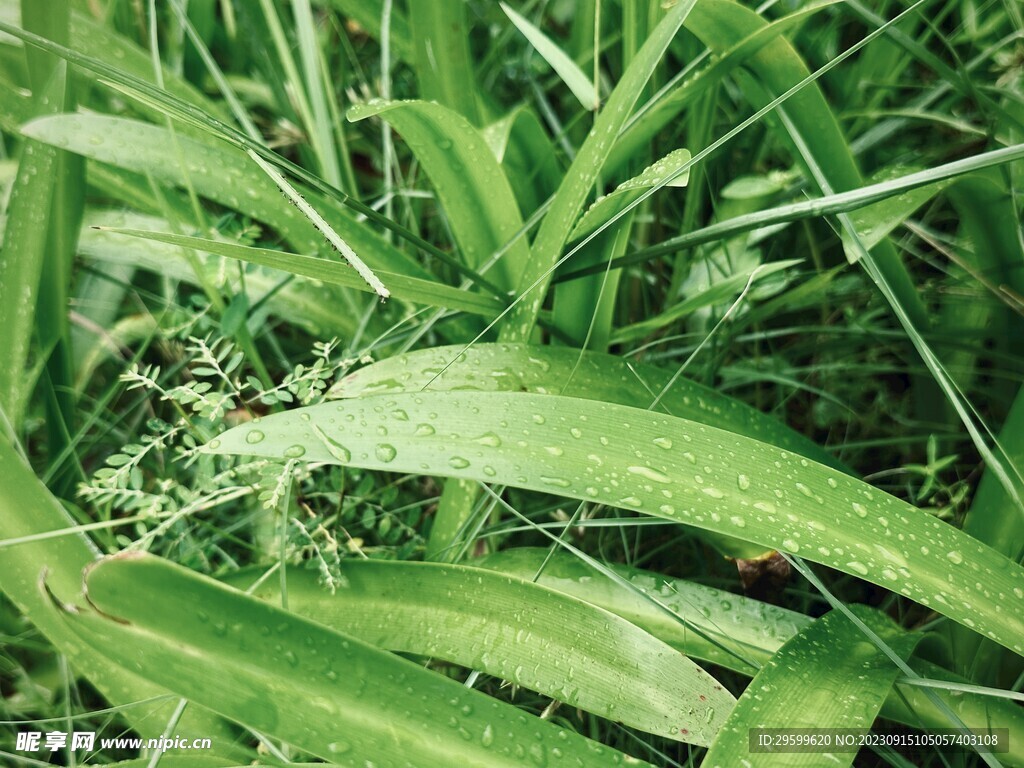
(736, 632)
(629, 191)
(828, 676)
(663, 466)
(318, 689)
(469, 181)
(217, 171)
(332, 272)
(582, 87)
(584, 171)
(514, 629)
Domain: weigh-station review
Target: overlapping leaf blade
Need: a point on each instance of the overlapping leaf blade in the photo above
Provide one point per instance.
(663, 466)
(316, 688)
(519, 631)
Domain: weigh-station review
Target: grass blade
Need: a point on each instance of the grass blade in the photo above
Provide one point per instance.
(851, 680)
(562, 647)
(583, 173)
(315, 688)
(666, 467)
(567, 69)
(332, 272)
(469, 182)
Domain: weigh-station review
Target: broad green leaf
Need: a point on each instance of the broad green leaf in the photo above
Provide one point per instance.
(738, 633)
(581, 86)
(332, 272)
(28, 510)
(519, 631)
(318, 689)
(219, 172)
(558, 370)
(708, 624)
(828, 676)
(663, 466)
(607, 207)
(584, 171)
(469, 182)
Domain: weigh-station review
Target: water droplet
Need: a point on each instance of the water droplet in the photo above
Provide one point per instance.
(559, 482)
(738, 521)
(955, 557)
(336, 449)
(424, 430)
(489, 439)
(713, 492)
(457, 462)
(488, 736)
(538, 419)
(294, 451)
(339, 747)
(385, 452)
(575, 433)
(857, 567)
(791, 545)
(860, 509)
(254, 436)
(743, 482)
(554, 450)
(650, 474)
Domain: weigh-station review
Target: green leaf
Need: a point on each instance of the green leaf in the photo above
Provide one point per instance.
(318, 689)
(526, 155)
(443, 60)
(607, 207)
(38, 537)
(333, 272)
(567, 69)
(308, 304)
(469, 181)
(703, 622)
(851, 678)
(216, 171)
(519, 631)
(725, 289)
(584, 171)
(874, 222)
(662, 466)
(21, 266)
(559, 370)
(738, 633)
